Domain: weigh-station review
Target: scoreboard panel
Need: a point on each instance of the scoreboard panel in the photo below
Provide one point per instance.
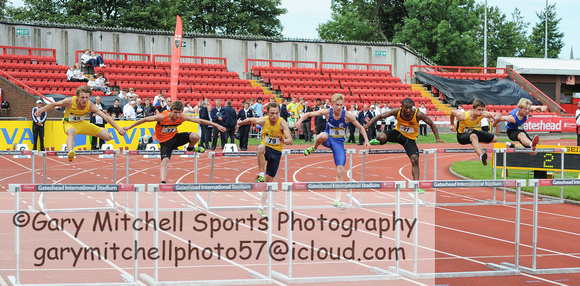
(551, 161)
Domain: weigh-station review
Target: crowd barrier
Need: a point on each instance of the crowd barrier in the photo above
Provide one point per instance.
(19, 188)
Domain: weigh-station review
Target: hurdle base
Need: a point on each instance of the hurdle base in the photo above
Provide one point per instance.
(543, 271)
(259, 280)
(12, 281)
(500, 271)
(382, 275)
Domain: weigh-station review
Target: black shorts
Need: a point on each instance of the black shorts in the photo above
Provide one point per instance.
(514, 133)
(168, 146)
(484, 137)
(273, 161)
(410, 145)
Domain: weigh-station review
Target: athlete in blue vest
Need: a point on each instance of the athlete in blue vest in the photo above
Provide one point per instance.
(333, 137)
(515, 126)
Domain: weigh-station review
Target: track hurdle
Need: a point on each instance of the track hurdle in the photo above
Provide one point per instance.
(18, 188)
(379, 273)
(155, 153)
(359, 202)
(287, 152)
(500, 270)
(534, 269)
(23, 154)
(504, 161)
(257, 278)
(111, 203)
(207, 204)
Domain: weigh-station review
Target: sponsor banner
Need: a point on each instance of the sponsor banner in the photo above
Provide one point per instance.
(464, 184)
(15, 152)
(550, 124)
(344, 185)
(80, 152)
(301, 151)
(389, 151)
(215, 187)
(565, 182)
(20, 132)
(545, 183)
(236, 154)
(456, 150)
(75, 188)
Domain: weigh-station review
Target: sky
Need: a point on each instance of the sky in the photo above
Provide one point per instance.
(304, 16)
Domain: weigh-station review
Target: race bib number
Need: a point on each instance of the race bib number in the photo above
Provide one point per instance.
(407, 129)
(168, 130)
(75, 118)
(337, 132)
(272, 141)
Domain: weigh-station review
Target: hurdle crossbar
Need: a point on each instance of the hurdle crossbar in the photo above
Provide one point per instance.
(287, 152)
(129, 153)
(258, 278)
(533, 269)
(379, 273)
(31, 154)
(19, 188)
(111, 204)
(500, 270)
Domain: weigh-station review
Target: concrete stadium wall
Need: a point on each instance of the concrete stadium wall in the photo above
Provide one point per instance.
(236, 49)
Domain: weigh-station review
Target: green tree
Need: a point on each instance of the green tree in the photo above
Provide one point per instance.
(504, 38)
(441, 30)
(258, 17)
(536, 46)
(2, 8)
(360, 20)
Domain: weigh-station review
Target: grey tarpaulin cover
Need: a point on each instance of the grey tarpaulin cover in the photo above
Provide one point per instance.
(463, 91)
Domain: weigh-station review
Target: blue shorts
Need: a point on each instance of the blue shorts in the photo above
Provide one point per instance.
(273, 161)
(337, 147)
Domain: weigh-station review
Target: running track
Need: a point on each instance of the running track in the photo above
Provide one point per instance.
(465, 238)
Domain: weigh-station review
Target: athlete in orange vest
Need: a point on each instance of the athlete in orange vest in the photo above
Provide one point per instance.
(406, 130)
(167, 135)
(74, 118)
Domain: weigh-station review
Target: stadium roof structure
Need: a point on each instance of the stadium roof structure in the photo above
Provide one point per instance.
(541, 65)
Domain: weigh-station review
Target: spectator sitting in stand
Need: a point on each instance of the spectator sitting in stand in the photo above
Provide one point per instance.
(94, 86)
(102, 81)
(131, 95)
(168, 102)
(74, 74)
(91, 59)
(187, 108)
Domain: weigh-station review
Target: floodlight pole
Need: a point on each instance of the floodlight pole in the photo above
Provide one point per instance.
(485, 37)
(546, 42)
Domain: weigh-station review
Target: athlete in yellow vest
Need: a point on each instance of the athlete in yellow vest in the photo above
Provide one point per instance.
(406, 130)
(74, 118)
(275, 134)
(469, 129)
